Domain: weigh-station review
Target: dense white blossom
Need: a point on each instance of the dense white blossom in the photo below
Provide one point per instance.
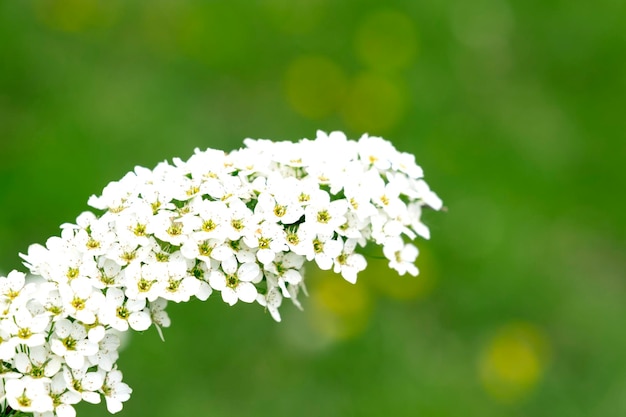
(242, 224)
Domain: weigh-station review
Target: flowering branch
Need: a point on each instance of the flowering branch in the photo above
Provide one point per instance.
(240, 223)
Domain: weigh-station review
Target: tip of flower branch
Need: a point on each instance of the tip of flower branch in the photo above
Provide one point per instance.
(241, 223)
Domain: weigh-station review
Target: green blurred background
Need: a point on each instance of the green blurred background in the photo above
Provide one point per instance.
(513, 108)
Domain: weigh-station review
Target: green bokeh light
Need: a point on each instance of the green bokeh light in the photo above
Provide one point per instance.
(512, 108)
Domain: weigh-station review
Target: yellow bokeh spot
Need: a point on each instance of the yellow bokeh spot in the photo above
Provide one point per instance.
(340, 310)
(314, 86)
(513, 362)
(387, 40)
(373, 104)
(76, 15)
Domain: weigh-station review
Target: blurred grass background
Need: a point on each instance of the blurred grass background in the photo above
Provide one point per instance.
(513, 108)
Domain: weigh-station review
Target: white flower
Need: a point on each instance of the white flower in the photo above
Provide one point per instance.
(95, 332)
(108, 274)
(12, 284)
(160, 252)
(26, 328)
(401, 256)
(306, 191)
(324, 216)
(232, 253)
(384, 228)
(359, 191)
(37, 260)
(140, 280)
(208, 164)
(117, 195)
(299, 239)
(285, 271)
(115, 391)
(159, 316)
(355, 228)
(15, 292)
(324, 250)
(271, 301)
(387, 197)
(239, 219)
(405, 162)
(72, 264)
(39, 362)
(199, 249)
(120, 312)
(62, 398)
(107, 353)
(268, 240)
(81, 300)
(70, 342)
(210, 221)
(126, 253)
(327, 155)
(49, 298)
(348, 263)
(155, 187)
(236, 285)
(84, 383)
(280, 203)
(201, 270)
(28, 395)
(376, 152)
(172, 282)
(187, 188)
(248, 163)
(170, 227)
(428, 197)
(92, 235)
(132, 228)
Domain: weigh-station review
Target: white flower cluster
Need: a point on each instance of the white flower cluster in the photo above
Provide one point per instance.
(241, 223)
